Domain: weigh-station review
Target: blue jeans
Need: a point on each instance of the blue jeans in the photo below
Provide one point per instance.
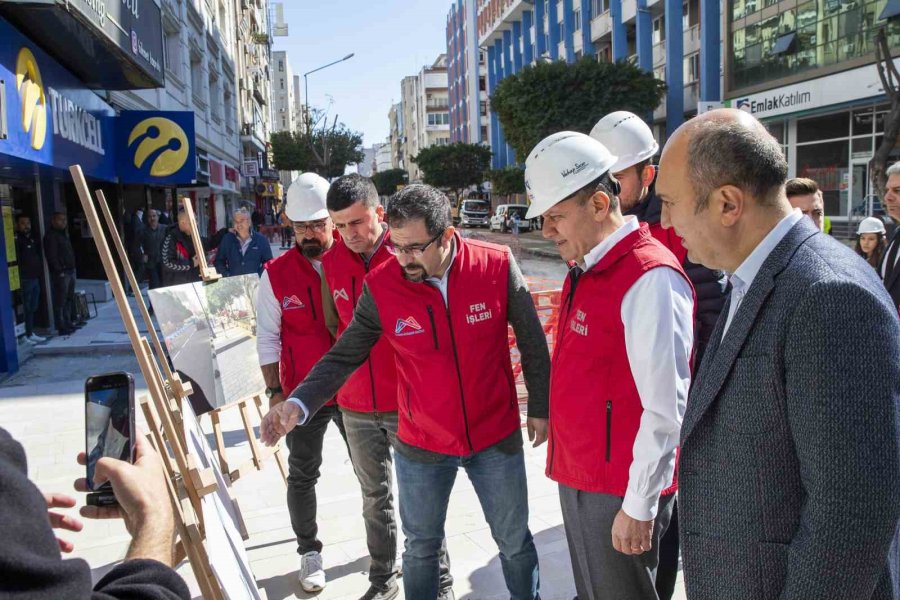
(499, 482)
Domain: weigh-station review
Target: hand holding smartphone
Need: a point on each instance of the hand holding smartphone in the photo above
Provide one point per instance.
(109, 428)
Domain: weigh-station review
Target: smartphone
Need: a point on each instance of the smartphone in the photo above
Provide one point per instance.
(109, 426)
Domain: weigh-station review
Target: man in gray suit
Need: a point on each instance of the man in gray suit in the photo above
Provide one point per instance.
(789, 475)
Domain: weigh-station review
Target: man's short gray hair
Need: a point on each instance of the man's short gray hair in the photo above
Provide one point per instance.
(894, 169)
(729, 153)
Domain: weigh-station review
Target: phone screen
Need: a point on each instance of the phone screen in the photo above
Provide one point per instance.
(108, 421)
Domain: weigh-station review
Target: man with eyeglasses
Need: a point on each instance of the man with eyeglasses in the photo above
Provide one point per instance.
(443, 305)
(294, 330)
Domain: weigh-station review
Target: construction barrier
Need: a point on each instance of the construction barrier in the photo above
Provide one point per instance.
(546, 303)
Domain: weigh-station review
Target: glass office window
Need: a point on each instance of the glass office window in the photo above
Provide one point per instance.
(826, 164)
(823, 128)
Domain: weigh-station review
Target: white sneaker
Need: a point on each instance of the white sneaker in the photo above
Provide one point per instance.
(36, 338)
(312, 575)
(28, 340)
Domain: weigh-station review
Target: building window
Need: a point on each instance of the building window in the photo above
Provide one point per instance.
(659, 29)
(441, 118)
(282, 83)
(172, 51)
(214, 103)
(691, 68)
(228, 107)
(598, 7)
(577, 14)
(281, 66)
(198, 85)
(562, 31)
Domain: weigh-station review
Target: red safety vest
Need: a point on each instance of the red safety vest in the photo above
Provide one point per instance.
(373, 386)
(304, 337)
(595, 408)
(456, 390)
(670, 240)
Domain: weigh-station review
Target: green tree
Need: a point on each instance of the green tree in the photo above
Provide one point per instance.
(326, 151)
(386, 182)
(549, 97)
(507, 181)
(455, 166)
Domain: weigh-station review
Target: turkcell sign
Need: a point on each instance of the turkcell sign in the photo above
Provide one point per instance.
(51, 118)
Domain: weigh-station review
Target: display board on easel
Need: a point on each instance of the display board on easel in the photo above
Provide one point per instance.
(204, 508)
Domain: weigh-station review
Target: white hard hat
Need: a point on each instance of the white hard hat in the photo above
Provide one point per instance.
(560, 165)
(627, 136)
(306, 198)
(870, 225)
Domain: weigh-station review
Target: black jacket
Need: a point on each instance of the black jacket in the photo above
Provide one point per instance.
(152, 243)
(710, 285)
(177, 256)
(892, 283)
(31, 566)
(60, 255)
(28, 256)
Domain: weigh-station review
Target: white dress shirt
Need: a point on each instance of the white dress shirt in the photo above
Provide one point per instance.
(743, 276)
(441, 284)
(658, 317)
(268, 318)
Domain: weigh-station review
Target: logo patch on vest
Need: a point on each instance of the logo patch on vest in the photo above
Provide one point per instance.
(408, 326)
(577, 323)
(340, 294)
(292, 302)
(477, 313)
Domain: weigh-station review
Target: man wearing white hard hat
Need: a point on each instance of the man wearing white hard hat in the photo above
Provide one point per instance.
(293, 332)
(629, 138)
(620, 373)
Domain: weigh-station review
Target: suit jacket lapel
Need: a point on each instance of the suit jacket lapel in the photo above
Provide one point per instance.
(896, 272)
(720, 358)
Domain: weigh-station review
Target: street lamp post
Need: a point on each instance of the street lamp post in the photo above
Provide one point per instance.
(306, 85)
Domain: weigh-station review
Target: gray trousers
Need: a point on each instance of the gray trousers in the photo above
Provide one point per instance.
(370, 436)
(601, 572)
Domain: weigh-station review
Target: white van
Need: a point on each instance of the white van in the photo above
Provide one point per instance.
(502, 219)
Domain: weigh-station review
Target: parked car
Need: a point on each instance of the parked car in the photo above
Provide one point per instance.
(502, 219)
(474, 213)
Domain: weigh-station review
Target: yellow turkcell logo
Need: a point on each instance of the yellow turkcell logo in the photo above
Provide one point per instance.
(161, 143)
(33, 99)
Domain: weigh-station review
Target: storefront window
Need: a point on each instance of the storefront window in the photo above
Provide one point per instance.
(776, 128)
(826, 164)
(862, 146)
(862, 122)
(823, 128)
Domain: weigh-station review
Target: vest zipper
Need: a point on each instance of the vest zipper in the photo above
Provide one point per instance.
(312, 305)
(433, 328)
(368, 360)
(608, 427)
(462, 394)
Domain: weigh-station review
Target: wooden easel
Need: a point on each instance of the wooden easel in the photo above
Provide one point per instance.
(258, 454)
(186, 482)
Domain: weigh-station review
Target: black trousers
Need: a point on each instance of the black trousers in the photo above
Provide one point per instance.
(305, 457)
(667, 571)
(62, 285)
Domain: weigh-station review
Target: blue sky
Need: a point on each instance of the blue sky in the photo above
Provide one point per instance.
(391, 39)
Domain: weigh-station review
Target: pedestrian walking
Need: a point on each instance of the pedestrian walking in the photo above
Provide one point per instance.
(293, 332)
(614, 422)
(870, 240)
(629, 138)
(243, 250)
(31, 268)
(154, 236)
(444, 304)
(368, 400)
(789, 482)
(61, 263)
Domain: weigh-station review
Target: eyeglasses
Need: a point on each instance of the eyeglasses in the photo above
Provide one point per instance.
(417, 250)
(316, 226)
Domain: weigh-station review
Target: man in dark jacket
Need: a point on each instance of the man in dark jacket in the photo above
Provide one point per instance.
(31, 566)
(180, 263)
(154, 235)
(628, 137)
(243, 251)
(31, 268)
(890, 266)
(61, 261)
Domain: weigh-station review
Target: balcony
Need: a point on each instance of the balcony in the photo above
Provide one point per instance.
(437, 104)
(691, 96)
(691, 40)
(601, 26)
(629, 10)
(659, 54)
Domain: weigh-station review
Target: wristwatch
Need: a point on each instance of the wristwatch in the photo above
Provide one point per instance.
(271, 391)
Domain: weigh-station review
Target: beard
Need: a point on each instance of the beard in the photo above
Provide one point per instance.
(415, 273)
(311, 248)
